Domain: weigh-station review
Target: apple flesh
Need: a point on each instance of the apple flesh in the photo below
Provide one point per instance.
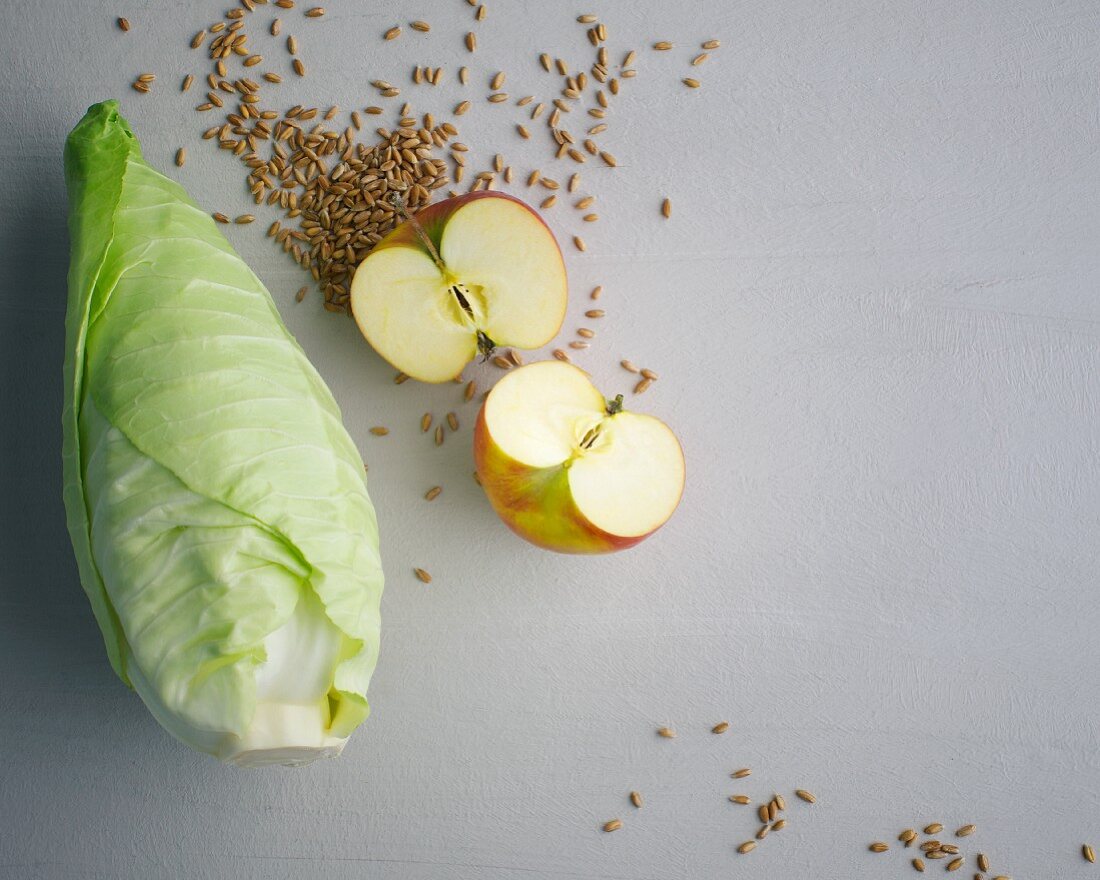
(463, 276)
(569, 471)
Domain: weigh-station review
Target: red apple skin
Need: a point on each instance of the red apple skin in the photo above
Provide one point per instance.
(436, 216)
(536, 503)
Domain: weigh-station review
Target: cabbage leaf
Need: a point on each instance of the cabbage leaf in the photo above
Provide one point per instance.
(216, 504)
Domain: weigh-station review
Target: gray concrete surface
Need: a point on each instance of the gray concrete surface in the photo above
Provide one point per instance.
(875, 315)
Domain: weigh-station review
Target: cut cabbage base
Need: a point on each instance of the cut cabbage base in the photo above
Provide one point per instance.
(291, 723)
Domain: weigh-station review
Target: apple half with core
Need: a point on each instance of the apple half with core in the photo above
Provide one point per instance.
(569, 470)
(461, 277)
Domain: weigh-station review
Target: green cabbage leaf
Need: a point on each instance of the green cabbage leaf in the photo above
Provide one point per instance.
(217, 506)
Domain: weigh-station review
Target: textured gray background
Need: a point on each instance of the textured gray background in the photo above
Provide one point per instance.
(875, 314)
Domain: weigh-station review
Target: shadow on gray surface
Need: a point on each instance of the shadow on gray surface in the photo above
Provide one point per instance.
(45, 621)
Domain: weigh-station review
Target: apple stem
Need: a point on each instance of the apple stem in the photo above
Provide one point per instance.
(615, 406)
(399, 203)
(485, 345)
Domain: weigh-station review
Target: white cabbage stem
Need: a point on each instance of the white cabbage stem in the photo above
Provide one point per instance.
(292, 715)
(290, 725)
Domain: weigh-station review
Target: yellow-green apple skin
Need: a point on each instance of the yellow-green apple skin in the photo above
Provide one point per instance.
(493, 274)
(538, 502)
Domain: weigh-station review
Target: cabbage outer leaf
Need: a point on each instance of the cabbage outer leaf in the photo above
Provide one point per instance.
(210, 486)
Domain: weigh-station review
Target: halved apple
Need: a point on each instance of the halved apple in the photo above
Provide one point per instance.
(570, 471)
(463, 276)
